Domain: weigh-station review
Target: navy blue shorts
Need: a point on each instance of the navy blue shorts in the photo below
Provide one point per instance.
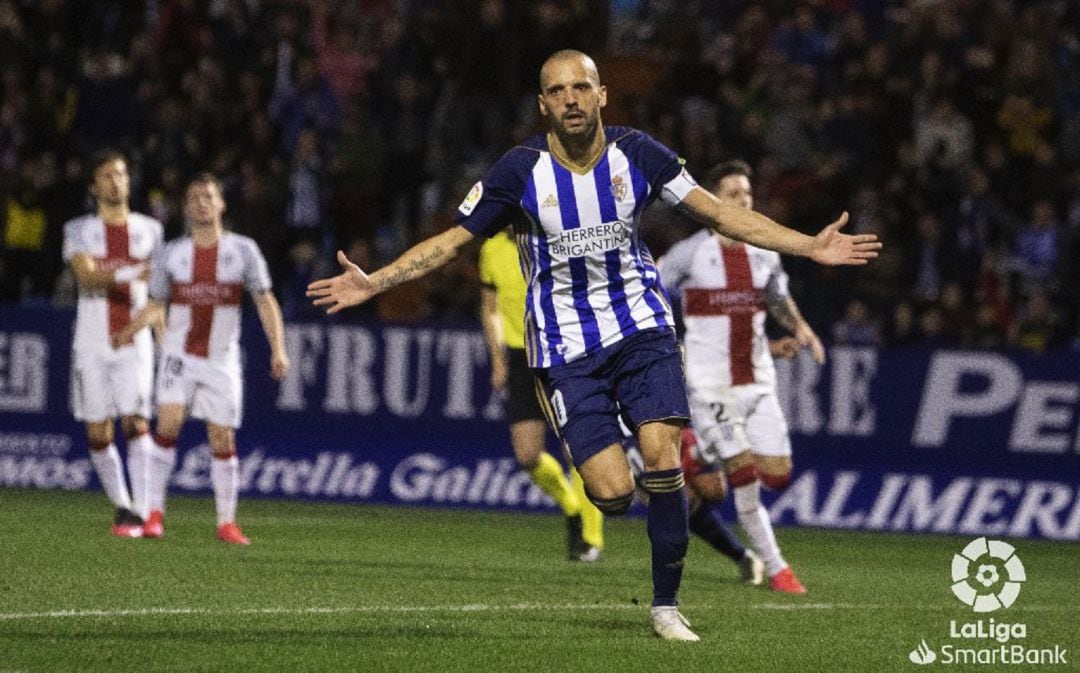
(640, 377)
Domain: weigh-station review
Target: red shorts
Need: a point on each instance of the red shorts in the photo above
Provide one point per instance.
(691, 466)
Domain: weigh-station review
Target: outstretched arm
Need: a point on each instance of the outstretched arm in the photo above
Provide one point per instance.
(270, 317)
(828, 247)
(352, 286)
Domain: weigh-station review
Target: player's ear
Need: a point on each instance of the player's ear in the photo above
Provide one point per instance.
(543, 105)
(603, 96)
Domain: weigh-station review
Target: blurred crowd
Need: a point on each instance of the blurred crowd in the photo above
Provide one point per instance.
(951, 128)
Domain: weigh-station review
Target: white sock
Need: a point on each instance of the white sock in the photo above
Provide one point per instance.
(162, 462)
(755, 521)
(225, 475)
(110, 472)
(139, 472)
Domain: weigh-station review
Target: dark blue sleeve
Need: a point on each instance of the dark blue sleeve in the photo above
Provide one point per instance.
(493, 202)
(659, 164)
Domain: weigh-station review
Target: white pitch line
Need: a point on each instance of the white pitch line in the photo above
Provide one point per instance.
(477, 607)
(358, 609)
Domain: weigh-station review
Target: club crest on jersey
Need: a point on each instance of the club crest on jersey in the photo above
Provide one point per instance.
(472, 199)
(618, 188)
(550, 202)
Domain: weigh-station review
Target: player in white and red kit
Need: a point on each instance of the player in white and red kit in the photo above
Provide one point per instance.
(727, 287)
(202, 278)
(108, 253)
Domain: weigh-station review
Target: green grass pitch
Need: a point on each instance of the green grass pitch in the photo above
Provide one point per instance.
(364, 588)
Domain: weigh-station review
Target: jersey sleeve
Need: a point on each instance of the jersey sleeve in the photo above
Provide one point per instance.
(662, 168)
(494, 201)
(675, 264)
(256, 272)
(73, 240)
(159, 287)
(777, 286)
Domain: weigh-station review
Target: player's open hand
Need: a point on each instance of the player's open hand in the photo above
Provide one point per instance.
(784, 348)
(834, 248)
(807, 339)
(349, 288)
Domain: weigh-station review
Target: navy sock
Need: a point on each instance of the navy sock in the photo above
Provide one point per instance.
(705, 524)
(668, 532)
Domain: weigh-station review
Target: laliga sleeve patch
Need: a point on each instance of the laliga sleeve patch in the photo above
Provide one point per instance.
(472, 199)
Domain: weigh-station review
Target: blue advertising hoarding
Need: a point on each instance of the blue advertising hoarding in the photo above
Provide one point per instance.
(898, 440)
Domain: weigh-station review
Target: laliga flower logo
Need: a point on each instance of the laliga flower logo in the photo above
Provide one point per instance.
(977, 588)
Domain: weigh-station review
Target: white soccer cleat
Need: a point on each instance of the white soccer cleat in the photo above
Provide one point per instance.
(669, 624)
(751, 568)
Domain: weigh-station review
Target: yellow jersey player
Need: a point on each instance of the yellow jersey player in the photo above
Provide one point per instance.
(503, 316)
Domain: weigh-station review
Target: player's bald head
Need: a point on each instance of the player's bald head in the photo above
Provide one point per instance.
(569, 56)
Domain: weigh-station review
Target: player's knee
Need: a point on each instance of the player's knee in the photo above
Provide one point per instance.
(710, 486)
(223, 451)
(777, 481)
(613, 506)
(222, 441)
(135, 426)
(165, 441)
(743, 476)
(99, 436)
(97, 445)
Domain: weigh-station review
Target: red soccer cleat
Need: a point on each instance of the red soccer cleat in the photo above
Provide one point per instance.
(126, 524)
(230, 532)
(155, 524)
(786, 582)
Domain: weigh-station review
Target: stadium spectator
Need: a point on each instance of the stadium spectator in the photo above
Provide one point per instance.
(157, 78)
(858, 327)
(1038, 326)
(597, 358)
(1036, 250)
(934, 256)
(304, 208)
(901, 330)
(341, 57)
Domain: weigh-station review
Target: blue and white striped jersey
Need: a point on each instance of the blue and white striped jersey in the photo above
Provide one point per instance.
(591, 281)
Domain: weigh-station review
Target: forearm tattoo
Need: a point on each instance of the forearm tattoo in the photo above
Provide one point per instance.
(413, 268)
(785, 312)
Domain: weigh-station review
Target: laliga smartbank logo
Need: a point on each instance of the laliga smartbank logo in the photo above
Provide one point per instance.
(987, 576)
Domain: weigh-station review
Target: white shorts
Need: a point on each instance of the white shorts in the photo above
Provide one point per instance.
(737, 419)
(113, 383)
(211, 391)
